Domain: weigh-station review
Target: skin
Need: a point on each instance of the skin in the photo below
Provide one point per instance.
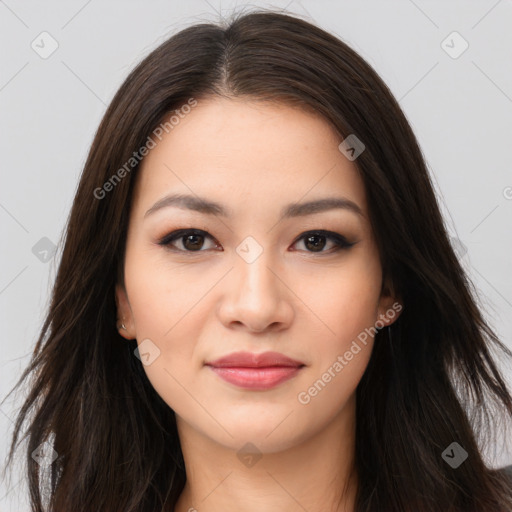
(254, 158)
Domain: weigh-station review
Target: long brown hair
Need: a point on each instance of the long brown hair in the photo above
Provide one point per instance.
(431, 380)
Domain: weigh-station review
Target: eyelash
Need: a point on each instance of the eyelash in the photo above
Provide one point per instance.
(339, 240)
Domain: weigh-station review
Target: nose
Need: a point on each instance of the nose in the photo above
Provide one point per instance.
(257, 297)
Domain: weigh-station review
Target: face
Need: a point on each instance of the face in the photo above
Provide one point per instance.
(257, 272)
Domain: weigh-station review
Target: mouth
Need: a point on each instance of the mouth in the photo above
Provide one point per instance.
(256, 371)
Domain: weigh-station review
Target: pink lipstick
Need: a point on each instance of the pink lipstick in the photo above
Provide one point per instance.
(255, 371)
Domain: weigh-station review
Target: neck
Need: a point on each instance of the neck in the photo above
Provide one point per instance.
(314, 475)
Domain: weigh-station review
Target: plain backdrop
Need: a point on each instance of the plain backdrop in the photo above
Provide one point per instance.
(455, 89)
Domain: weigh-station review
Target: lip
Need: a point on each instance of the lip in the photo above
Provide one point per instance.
(255, 371)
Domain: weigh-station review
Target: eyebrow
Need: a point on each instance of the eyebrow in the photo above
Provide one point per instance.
(202, 205)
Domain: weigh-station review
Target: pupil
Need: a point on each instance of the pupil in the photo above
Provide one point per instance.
(316, 244)
(195, 243)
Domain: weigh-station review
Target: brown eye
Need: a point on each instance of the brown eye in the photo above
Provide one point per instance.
(190, 240)
(316, 241)
(193, 240)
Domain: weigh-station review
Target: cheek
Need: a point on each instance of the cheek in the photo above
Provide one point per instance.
(344, 301)
(165, 312)
(162, 293)
(346, 306)
(165, 305)
(343, 346)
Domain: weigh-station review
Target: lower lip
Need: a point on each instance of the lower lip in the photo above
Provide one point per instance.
(257, 378)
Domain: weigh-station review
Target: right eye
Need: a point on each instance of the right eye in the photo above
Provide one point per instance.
(191, 240)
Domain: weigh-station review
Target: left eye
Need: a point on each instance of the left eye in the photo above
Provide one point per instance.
(193, 239)
(316, 240)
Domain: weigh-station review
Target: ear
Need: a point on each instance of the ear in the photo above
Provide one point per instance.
(390, 305)
(124, 314)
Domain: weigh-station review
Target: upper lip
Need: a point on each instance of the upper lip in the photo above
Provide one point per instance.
(252, 360)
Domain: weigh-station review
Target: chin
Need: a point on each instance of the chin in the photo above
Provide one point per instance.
(271, 433)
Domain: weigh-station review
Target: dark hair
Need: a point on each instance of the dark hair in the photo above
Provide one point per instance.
(430, 382)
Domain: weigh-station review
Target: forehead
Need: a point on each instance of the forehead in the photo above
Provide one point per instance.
(247, 154)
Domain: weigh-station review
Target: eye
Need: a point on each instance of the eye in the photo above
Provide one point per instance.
(192, 240)
(315, 241)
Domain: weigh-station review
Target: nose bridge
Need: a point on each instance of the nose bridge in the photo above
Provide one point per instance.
(253, 268)
(256, 297)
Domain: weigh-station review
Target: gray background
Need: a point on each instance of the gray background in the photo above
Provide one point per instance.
(460, 107)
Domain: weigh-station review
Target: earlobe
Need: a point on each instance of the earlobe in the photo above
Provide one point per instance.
(389, 314)
(124, 323)
(390, 306)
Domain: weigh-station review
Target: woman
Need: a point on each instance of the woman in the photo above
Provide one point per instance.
(257, 306)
